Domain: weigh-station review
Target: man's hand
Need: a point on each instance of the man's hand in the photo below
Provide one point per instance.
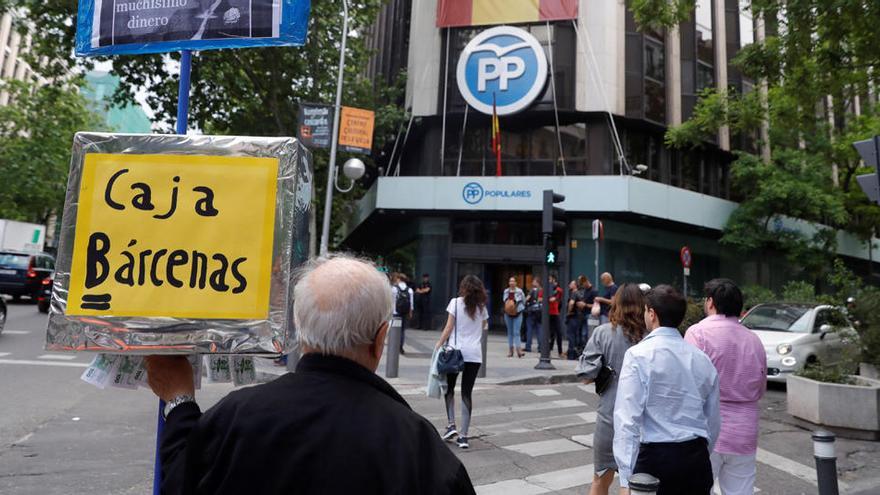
(169, 376)
(624, 491)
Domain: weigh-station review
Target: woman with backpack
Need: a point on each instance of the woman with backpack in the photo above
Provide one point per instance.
(464, 331)
(514, 304)
(600, 364)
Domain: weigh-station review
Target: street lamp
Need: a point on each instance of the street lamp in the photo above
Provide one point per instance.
(331, 169)
(354, 169)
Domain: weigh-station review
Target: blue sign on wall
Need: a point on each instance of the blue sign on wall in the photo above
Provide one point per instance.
(504, 65)
(111, 27)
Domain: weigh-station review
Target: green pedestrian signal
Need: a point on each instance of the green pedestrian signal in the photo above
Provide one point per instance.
(551, 258)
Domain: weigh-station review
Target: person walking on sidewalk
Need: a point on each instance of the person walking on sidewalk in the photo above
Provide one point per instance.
(590, 294)
(666, 415)
(608, 290)
(402, 295)
(572, 324)
(554, 299)
(423, 302)
(514, 304)
(741, 362)
(605, 350)
(334, 427)
(533, 313)
(464, 331)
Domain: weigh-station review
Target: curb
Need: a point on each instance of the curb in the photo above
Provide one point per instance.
(542, 380)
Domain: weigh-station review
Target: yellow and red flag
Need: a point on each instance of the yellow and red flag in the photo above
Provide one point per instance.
(496, 138)
(455, 13)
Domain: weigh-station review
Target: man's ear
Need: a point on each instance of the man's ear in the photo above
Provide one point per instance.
(378, 345)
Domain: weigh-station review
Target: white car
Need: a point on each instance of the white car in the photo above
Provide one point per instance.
(798, 335)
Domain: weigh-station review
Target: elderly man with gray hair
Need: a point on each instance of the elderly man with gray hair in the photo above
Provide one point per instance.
(332, 427)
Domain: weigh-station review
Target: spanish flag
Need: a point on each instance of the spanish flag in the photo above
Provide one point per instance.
(496, 138)
(456, 13)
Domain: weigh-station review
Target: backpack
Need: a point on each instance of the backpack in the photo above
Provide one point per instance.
(510, 307)
(402, 304)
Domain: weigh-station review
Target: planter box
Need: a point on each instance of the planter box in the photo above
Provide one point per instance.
(850, 410)
(869, 371)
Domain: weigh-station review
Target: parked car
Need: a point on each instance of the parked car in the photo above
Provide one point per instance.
(45, 297)
(22, 274)
(799, 335)
(2, 314)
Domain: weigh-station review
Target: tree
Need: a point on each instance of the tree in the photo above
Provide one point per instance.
(255, 91)
(36, 132)
(820, 59)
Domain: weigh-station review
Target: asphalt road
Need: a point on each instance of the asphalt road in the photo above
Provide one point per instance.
(59, 435)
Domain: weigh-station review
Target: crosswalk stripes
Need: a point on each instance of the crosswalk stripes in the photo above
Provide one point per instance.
(545, 392)
(3, 354)
(15, 332)
(58, 357)
(523, 420)
(540, 483)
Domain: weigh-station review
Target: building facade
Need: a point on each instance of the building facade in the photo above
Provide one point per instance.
(594, 132)
(13, 48)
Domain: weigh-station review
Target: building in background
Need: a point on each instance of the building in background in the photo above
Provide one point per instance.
(13, 49)
(442, 207)
(99, 89)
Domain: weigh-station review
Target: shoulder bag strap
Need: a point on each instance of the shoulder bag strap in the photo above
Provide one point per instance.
(455, 323)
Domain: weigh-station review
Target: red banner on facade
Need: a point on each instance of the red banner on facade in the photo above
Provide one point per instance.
(455, 13)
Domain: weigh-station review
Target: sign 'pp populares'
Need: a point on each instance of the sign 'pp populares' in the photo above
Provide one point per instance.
(503, 67)
(107, 27)
(173, 243)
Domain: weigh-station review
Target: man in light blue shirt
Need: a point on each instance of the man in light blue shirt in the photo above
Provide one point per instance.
(666, 416)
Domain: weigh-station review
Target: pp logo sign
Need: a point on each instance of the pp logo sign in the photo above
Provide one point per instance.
(472, 193)
(504, 64)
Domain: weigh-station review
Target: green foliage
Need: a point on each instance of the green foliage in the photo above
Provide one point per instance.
(693, 316)
(819, 48)
(797, 291)
(36, 132)
(828, 374)
(757, 294)
(657, 14)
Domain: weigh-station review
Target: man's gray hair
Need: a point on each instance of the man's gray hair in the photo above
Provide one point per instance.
(340, 301)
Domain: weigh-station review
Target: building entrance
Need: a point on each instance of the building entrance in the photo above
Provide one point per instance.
(495, 277)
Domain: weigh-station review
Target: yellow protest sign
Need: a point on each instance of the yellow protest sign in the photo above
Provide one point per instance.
(183, 236)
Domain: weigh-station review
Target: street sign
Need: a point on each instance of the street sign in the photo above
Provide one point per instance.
(869, 150)
(356, 130)
(598, 230)
(315, 125)
(112, 27)
(686, 257)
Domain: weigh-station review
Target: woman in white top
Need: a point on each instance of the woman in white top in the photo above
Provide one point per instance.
(464, 331)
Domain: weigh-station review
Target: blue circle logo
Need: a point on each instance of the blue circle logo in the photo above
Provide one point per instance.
(504, 66)
(472, 193)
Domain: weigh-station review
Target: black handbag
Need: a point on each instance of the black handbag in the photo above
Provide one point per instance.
(603, 379)
(450, 360)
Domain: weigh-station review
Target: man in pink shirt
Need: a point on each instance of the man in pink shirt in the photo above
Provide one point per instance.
(741, 363)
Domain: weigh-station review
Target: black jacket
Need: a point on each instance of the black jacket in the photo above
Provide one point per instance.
(333, 427)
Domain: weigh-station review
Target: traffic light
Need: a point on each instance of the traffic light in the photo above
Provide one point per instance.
(552, 220)
(869, 150)
(552, 226)
(551, 252)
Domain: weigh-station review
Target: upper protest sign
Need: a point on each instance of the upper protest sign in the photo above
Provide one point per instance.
(109, 27)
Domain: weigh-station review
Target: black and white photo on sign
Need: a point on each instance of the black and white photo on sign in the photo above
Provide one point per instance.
(119, 22)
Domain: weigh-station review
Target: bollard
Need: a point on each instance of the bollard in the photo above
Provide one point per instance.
(392, 362)
(643, 484)
(826, 462)
(484, 343)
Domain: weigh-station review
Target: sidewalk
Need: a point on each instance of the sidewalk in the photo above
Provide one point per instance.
(500, 369)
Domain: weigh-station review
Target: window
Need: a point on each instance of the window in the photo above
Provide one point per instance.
(705, 45)
(746, 24)
(645, 71)
(655, 81)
